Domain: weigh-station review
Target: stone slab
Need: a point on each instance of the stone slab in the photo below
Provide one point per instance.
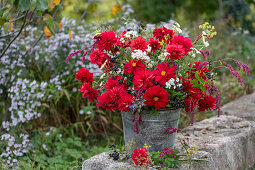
(243, 107)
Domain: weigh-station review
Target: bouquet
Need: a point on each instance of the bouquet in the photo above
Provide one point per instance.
(153, 69)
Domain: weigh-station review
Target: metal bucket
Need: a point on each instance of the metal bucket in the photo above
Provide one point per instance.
(151, 130)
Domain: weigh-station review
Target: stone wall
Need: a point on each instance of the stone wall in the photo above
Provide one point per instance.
(228, 141)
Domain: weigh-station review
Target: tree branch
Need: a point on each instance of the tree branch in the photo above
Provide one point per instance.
(41, 36)
(84, 13)
(7, 47)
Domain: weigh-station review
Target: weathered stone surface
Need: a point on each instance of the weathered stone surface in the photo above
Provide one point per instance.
(243, 107)
(227, 142)
(102, 162)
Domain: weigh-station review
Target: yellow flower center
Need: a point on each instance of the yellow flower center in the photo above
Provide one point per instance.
(163, 73)
(155, 99)
(134, 64)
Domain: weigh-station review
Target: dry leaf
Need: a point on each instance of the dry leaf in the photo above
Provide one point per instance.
(115, 9)
(47, 31)
(60, 25)
(70, 34)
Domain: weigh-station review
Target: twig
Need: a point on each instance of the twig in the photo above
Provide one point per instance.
(55, 12)
(6, 2)
(18, 18)
(84, 13)
(105, 133)
(219, 67)
(6, 35)
(37, 41)
(6, 48)
(2, 2)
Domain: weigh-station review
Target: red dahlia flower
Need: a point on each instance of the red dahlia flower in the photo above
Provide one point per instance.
(88, 91)
(156, 96)
(154, 44)
(125, 101)
(139, 43)
(140, 157)
(98, 57)
(184, 41)
(187, 85)
(110, 100)
(196, 93)
(197, 67)
(164, 73)
(134, 66)
(164, 34)
(83, 75)
(175, 51)
(207, 103)
(107, 40)
(143, 79)
(114, 82)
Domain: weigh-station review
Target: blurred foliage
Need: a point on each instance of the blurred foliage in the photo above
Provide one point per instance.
(239, 13)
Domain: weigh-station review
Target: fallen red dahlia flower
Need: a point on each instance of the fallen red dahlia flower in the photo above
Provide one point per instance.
(140, 157)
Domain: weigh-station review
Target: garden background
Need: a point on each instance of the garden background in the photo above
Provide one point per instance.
(45, 122)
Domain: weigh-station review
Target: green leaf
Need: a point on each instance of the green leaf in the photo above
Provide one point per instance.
(15, 3)
(50, 24)
(66, 29)
(75, 9)
(208, 85)
(2, 21)
(39, 13)
(67, 95)
(24, 5)
(154, 112)
(42, 5)
(197, 76)
(101, 111)
(3, 10)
